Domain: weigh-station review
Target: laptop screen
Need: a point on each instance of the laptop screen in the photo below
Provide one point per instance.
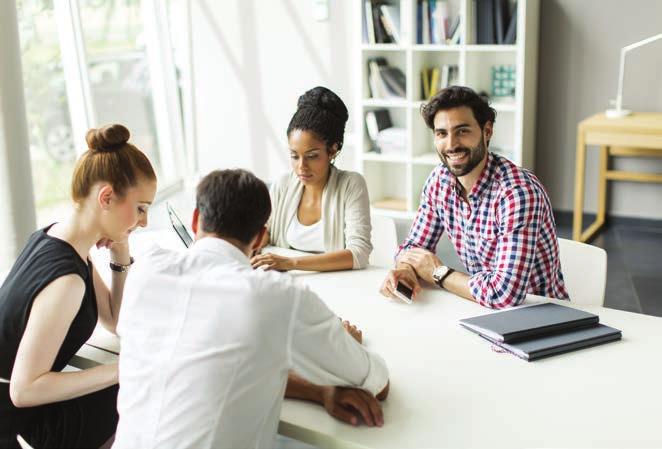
(179, 227)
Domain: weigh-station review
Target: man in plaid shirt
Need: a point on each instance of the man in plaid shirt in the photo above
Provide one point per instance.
(497, 215)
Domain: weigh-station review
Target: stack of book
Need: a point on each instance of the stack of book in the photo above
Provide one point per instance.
(385, 81)
(434, 24)
(541, 330)
(434, 79)
(381, 23)
(384, 137)
(495, 22)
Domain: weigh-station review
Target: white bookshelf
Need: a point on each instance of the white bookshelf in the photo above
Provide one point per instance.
(400, 177)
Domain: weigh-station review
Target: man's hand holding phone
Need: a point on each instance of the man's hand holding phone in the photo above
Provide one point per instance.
(399, 282)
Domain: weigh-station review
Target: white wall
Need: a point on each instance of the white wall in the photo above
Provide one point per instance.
(580, 44)
(253, 58)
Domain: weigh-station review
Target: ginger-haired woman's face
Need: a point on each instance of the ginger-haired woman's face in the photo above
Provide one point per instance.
(120, 215)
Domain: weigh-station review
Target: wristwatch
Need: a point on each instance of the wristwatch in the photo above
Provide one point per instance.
(440, 274)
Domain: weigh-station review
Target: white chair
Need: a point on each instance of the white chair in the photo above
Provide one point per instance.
(384, 241)
(584, 271)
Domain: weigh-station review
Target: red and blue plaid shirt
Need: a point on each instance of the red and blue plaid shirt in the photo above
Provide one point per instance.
(505, 234)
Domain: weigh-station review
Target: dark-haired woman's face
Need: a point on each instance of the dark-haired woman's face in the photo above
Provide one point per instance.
(310, 157)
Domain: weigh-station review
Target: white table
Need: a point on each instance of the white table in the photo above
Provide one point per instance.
(449, 389)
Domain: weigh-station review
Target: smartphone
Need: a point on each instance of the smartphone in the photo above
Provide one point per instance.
(179, 227)
(403, 292)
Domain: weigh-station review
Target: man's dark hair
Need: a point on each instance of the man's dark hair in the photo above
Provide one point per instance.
(457, 96)
(233, 204)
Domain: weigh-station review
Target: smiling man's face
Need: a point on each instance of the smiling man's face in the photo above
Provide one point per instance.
(459, 141)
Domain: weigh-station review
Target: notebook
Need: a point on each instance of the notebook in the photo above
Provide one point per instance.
(540, 347)
(529, 322)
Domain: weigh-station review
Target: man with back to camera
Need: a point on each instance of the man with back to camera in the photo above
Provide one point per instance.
(207, 342)
(497, 215)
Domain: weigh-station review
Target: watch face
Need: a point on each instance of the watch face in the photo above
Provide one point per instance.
(439, 272)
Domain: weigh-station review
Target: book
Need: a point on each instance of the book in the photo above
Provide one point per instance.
(426, 23)
(395, 81)
(391, 20)
(434, 81)
(474, 21)
(368, 20)
(376, 121)
(454, 30)
(425, 83)
(526, 322)
(375, 83)
(511, 32)
(381, 36)
(500, 20)
(485, 22)
(537, 348)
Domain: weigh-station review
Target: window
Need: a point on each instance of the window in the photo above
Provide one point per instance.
(87, 63)
(49, 125)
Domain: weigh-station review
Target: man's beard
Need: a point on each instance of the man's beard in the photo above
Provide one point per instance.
(476, 154)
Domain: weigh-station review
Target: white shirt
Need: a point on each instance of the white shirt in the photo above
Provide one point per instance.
(207, 343)
(306, 238)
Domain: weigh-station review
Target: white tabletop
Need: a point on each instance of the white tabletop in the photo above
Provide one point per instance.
(449, 389)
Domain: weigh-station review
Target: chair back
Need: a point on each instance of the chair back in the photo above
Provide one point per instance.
(384, 241)
(584, 271)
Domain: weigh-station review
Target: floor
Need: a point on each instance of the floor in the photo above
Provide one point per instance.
(634, 267)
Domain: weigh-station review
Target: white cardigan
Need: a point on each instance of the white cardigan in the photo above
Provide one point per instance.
(345, 213)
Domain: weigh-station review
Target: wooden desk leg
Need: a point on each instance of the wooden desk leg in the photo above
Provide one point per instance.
(580, 166)
(593, 228)
(602, 185)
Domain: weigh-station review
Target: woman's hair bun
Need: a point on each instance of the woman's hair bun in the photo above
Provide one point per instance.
(322, 98)
(107, 138)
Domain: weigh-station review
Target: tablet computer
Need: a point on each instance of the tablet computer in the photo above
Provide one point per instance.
(179, 227)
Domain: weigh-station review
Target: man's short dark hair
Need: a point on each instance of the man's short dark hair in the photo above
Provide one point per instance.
(233, 204)
(454, 97)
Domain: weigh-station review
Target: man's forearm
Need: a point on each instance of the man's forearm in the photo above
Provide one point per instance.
(299, 388)
(458, 283)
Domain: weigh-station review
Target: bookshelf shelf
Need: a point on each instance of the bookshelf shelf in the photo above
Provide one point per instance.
(384, 103)
(372, 156)
(383, 47)
(491, 48)
(395, 180)
(437, 47)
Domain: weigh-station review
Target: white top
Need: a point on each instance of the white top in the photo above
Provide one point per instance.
(345, 213)
(207, 343)
(306, 238)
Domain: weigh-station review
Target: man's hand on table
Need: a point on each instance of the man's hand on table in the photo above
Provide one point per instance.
(422, 261)
(350, 405)
(402, 273)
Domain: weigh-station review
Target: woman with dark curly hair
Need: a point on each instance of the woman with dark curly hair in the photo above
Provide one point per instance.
(318, 208)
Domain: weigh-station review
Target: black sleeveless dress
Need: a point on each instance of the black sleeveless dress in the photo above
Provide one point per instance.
(87, 421)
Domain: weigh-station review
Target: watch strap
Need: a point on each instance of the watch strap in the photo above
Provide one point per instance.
(441, 280)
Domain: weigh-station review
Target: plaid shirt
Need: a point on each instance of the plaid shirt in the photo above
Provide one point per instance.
(505, 235)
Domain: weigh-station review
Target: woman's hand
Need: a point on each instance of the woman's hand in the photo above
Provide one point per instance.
(273, 262)
(119, 250)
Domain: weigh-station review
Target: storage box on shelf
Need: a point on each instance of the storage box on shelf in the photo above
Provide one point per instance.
(395, 178)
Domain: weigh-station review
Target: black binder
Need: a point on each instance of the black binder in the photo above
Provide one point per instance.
(529, 322)
(540, 347)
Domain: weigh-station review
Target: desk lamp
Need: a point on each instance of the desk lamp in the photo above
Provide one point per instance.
(618, 111)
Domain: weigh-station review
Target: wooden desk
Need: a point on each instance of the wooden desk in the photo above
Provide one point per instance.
(636, 135)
